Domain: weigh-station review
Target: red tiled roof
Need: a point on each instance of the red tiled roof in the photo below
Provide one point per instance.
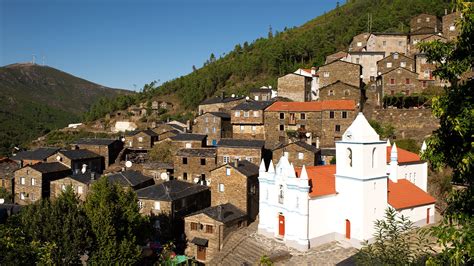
(312, 106)
(322, 179)
(404, 194)
(404, 156)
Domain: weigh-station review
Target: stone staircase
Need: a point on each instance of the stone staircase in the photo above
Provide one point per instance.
(239, 250)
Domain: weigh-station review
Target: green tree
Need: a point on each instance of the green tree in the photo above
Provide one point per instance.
(162, 152)
(116, 224)
(452, 145)
(4, 194)
(396, 242)
(385, 130)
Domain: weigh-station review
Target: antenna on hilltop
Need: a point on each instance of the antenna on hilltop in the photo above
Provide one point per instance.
(33, 59)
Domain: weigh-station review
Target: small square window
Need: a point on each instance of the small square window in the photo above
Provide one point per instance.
(389, 64)
(23, 180)
(282, 127)
(242, 128)
(194, 226)
(302, 116)
(255, 114)
(185, 176)
(392, 81)
(326, 74)
(331, 114)
(282, 115)
(384, 43)
(157, 206)
(227, 171)
(300, 155)
(237, 114)
(209, 229)
(80, 190)
(254, 128)
(225, 159)
(403, 64)
(407, 81)
(338, 128)
(203, 161)
(185, 160)
(246, 114)
(221, 187)
(344, 114)
(359, 44)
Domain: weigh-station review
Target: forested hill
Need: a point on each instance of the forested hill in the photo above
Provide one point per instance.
(262, 61)
(35, 99)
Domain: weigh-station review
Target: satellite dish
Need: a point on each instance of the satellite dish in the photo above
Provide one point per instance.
(233, 95)
(247, 98)
(196, 180)
(164, 176)
(128, 164)
(123, 139)
(58, 158)
(308, 134)
(2, 201)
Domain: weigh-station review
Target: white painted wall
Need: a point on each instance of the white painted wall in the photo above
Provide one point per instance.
(418, 214)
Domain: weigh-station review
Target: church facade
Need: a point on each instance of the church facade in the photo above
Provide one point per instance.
(309, 206)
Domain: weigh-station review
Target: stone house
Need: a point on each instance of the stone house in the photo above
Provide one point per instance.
(167, 135)
(388, 43)
(188, 141)
(340, 70)
(130, 179)
(299, 153)
(450, 27)
(305, 119)
(80, 183)
(247, 120)
(295, 87)
(77, 160)
(358, 43)
(160, 171)
(260, 94)
(399, 80)
(368, 61)
(194, 165)
(107, 148)
(156, 105)
(32, 182)
(424, 70)
(7, 170)
(162, 128)
(395, 60)
(215, 125)
(39, 155)
(140, 139)
(236, 183)
(425, 23)
(207, 230)
(340, 91)
(341, 55)
(415, 39)
(229, 150)
(219, 104)
(170, 201)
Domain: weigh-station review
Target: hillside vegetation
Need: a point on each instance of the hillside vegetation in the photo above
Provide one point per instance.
(36, 99)
(264, 60)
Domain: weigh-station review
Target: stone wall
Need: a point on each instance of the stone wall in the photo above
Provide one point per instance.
(215, 238)
(213, 126)
(394, 61)
(295, 87)
(425, 21)
(293, 151)
(340, 70)
(276, 128)
(56, 187)
(450, 29)
(390, 43)
(253, 155)
(339, 91)
(148, 207)
(333, 128)
(192, 168)
(244, 131)
(400, 81)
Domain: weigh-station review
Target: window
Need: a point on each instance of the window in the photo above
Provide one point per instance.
(330, 92)
(194, 226)
(23, 180)
(63, 187)
(22, 195)
(140, 139)
(344, 114)
(357, 60)
(250, 159)
(403, 64)
(392, 81)
(253, 189)
(384, 43)
(214, 119)
(225, 159)
(213, 130)
(424, 83)
(349, 156)
(188, 145)
(281, 196)
(389, 64)
(392, 92)
(282, 127)
(227, 171)
(338, 128)
(300, 155)
(237, 114)
(346, 93)
(395, 55)
(256, 97)
(400, 43)
(331, 114)
(326, 74)
(246, 114)
(185, 160)
(221, 187)
(80, 190)
(242, 128)
(33, 181)
(282, 115)
(373, 160)
(140, 204)
(156, 206)
(254, 129)
(418, 20)
(209, 229)
(359, 44)
(407, 81)
(207, 130)
(32, 197)
(302, 116)
(426, 73)
(255, 113)
(203, 161)
(427, 19)
(185, 176)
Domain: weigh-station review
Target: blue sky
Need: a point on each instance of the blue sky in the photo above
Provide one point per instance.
(125, 42)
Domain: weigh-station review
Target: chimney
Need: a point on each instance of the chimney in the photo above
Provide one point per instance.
(84, 168)
(236, 163)
(219, 212)
(313, 71)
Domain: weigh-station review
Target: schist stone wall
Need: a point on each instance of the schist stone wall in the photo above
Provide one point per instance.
(295, 87)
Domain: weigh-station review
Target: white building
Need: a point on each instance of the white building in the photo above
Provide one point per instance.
(311, 73)
(319, 204)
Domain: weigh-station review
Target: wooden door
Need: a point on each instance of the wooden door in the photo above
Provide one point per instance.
(281, 224)
(428, 216)
(348, 229)
(201, 253)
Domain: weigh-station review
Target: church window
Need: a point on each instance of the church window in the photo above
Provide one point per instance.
(281, 195)
(373, 158)
(349, 156)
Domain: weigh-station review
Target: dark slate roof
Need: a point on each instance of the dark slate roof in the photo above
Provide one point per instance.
(223, 213)
(261, 90)
(172, 131)
(220, 100)
(200, 241)
(204, 152)
(302, 144)
(246, 168)
(178, 127)
(38, 154)
(158, 165)
(85, 178)
(170, 190)
(328, 151)
(79, 154)
(128, 178)
(252, 105)
(149, 132)
(220, 114)
(241, 143)
(100, 142)
(49, 167)
(188, 137)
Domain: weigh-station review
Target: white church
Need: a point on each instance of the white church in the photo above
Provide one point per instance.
(309, 206)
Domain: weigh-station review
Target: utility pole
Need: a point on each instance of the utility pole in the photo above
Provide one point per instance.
(33, 60)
